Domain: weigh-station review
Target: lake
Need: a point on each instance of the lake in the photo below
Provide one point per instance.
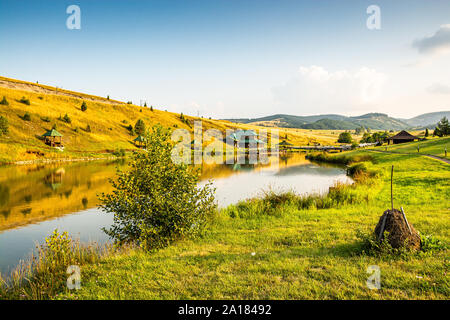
(36, 199)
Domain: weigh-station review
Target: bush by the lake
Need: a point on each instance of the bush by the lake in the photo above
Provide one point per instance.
(157, 201)
(3, 125)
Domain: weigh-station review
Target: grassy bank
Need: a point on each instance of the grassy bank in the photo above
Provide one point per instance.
(291, 247)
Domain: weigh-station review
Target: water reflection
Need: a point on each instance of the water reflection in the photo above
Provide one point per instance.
(29, 194)
(34, 200)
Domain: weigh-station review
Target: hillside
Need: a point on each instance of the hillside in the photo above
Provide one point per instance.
(108, 120)
(375, 121)
(427, 119)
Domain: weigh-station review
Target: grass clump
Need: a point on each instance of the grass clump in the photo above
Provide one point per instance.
(44, 275)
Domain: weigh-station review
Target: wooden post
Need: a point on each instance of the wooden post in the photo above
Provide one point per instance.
(406, 220)
(392, 195)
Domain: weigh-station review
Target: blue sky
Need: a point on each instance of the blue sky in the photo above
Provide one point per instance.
(237, 58)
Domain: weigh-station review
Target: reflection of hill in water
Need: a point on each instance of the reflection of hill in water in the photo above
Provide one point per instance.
(308, 168)
(35, 193)
(211, 171)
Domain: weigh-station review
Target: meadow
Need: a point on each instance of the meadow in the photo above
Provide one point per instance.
(286, 246)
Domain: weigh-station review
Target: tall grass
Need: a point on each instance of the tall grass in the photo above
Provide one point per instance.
(43, 276)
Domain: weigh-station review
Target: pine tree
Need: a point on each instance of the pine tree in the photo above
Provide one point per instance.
(139, 127)
(83, 106)
(4, 101)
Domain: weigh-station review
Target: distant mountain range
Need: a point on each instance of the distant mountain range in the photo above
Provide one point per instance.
(375, 121)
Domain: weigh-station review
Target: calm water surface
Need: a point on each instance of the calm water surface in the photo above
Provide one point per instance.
(35, 200)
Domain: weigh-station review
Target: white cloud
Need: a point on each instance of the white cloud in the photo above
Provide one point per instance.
(316, 90)
(439, 42)
(438, 88)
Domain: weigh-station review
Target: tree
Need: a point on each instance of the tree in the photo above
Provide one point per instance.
(3, 125)
(359, 130)
(4, 101)
(83, 106)
(345, 137)
(151, 108)
(140, 128)
(443, 128)
(427, 133)
(157, 201)
(67, 119)
(26, 117)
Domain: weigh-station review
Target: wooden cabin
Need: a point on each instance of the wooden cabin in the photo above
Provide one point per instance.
(53, 138)
(244, 139)
(140, 142)
(402, 137)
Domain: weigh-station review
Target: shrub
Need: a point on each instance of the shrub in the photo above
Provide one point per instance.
(151, 108)
(140, 128)
(83, 106)
(24, 101)
(345, 137)
(4, 101)
(158, 201)
(26, 117)
(55, 126)
(88, 128)
(3, 125)
(66, 119)
(45, 119)
(119, 153)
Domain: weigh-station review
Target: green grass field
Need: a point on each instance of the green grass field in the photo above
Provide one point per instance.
(434, 146)
(296, 254)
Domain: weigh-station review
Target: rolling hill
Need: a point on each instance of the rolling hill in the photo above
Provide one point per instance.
(108, 121)
(376, 121)
(427, 119)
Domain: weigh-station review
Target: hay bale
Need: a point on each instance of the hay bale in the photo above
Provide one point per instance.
(400, 235)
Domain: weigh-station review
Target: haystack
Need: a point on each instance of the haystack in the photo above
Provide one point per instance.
(401, 232)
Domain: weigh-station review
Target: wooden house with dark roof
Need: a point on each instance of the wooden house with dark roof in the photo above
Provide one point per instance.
(402, 137)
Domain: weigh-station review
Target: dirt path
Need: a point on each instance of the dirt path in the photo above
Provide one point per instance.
(425, 155)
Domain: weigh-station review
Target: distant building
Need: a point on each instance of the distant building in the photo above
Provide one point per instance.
(402, 137)
(244, 139)
(140, 142)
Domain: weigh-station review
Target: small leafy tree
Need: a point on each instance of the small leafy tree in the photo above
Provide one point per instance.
(26, 117)
(3, 125)
(157, 201)
(4, 101)
(83, 106)
(67, 119)
(345, 137)
(140, 128)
